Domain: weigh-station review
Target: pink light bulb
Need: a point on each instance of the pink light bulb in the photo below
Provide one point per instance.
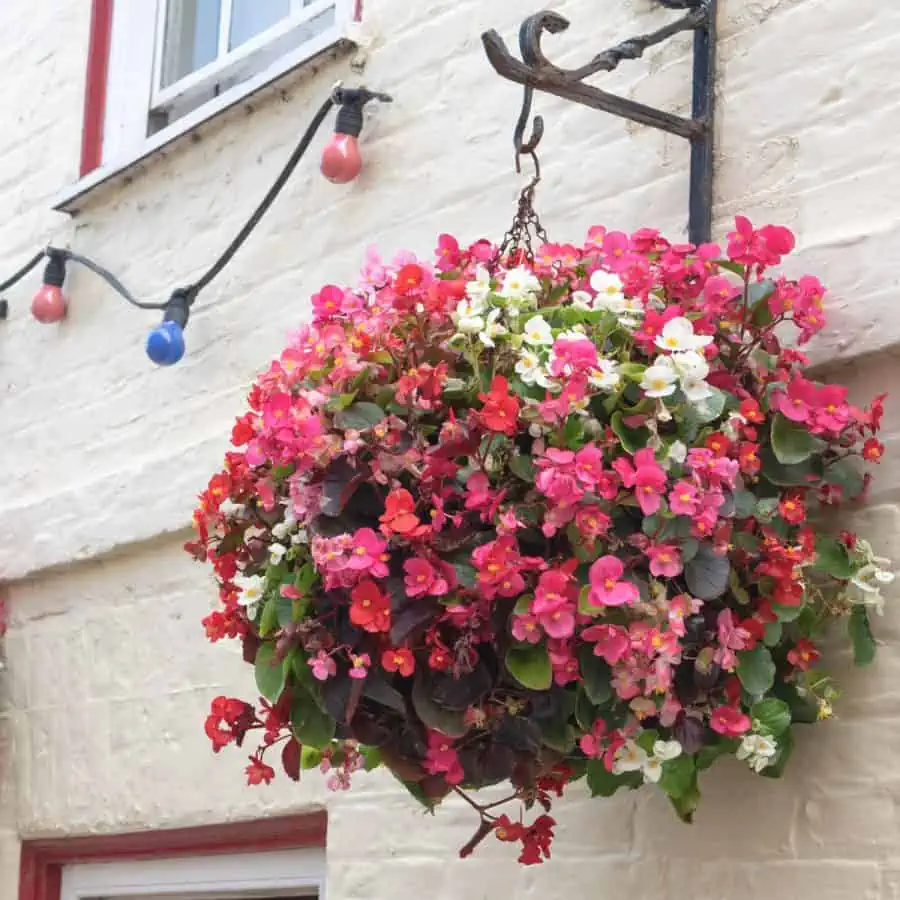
(49, 304)
(341, 162)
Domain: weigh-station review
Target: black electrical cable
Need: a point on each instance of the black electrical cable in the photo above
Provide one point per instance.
(339, 97)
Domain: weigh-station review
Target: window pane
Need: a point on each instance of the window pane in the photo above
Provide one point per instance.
(250, 17)
(192, 37)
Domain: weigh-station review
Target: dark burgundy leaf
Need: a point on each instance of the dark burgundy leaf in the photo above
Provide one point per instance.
(452, 539)
(499, 762)
(340, 483)
(689, 733)
(463, 692)
(336, 696)
(250, 646)
(372, 730)
(520, 734)
(377, 689)
(290, 759)
(416, 616)
(356, 691)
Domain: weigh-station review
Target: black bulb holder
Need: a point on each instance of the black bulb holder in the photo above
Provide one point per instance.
(178, 309)
(55, 270)
(352, 102)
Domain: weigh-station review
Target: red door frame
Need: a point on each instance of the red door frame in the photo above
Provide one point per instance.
(40, 868)
(95, 85)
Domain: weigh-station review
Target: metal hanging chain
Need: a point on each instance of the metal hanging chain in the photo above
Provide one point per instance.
(526, 227)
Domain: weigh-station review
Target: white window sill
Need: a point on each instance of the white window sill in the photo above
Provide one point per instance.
(72, 198)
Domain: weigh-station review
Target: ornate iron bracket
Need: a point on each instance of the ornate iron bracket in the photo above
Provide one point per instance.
(536, 73)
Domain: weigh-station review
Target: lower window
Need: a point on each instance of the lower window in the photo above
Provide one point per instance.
(247, 876)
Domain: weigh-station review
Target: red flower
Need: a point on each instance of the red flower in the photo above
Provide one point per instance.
(370, 609)
(873, 450)
(730, 721)
(229, 720)
(400, 516)
(258, 772)
(501, 409)
(750, 410)
(748, 458)
(791, 508)
(409, 279)
(803, 654)
(400, 660)
(718, 443)
(507, 830)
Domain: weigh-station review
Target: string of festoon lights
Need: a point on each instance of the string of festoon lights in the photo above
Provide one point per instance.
(341, 162)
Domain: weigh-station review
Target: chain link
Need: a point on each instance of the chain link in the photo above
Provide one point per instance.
(526, 226)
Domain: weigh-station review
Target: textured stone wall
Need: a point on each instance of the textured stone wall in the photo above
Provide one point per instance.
(109, 676)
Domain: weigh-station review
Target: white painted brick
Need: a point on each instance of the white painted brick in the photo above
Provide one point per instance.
(109, 676)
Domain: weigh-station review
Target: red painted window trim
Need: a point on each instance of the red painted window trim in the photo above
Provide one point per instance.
(95, 85)
(40, 868)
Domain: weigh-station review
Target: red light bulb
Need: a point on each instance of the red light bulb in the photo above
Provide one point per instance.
(49, 304)
(341, 162)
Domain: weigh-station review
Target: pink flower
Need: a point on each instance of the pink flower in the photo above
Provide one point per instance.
(798, 403)
(731, 637)
(573, 356)
(646, 476)
(832, 411)
(592, 745)
(557, 618)
(665, 560)
(606, 588)
(592, 523)
(610, 641)
(683, 498)
(526, 628)
(764, 247)
(359, 665)
(729, 721)
(589, 465)
(323, 666)
(447, 253)
(422, 578)
(718, 292)
(681, 606)
(563, 661)
(616, 250)
(442, 759)
(327, 302)
(368, 552)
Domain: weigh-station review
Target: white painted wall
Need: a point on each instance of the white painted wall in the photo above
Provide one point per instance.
(109, 676)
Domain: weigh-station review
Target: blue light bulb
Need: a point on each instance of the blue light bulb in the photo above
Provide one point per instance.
(165, 344)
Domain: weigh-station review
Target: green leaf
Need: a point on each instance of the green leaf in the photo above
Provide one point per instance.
(707, 573)
(773, 634)
(311, 726)
(773, 715)
(604, 784)
(744, 504)
(766, 509)
(805, 473)
(787, 613)
(756, 670)
(522, 467)
(861, 637)
(557, 734)
(573, 433)
(465, 573)
(585, 711)
(758, 297)
(785, 749)
(530, 666)
(632, 439)
(679, 775)
(685, 805)
(791, 442)
(844, 475)
(270, 674)
(596, 675)
(268, 621)
(360, 416)
(803, 710)
(310, 757)
(709, 753)
(632, 371)
(710, 408)
(832, 557)
(372, 757)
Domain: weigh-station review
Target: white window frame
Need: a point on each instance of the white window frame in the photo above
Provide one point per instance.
(281, 873)
(134, 74)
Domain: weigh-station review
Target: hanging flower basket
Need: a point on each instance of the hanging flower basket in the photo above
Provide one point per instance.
(518, 520)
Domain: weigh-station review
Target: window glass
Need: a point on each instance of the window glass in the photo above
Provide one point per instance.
(251, 17)
(191, 36)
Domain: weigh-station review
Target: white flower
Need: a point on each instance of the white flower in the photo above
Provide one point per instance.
(538, 332)
(677, 452)
(606, 376)
(695, 389)
(492, 329)
(632, 313)
(666, 750)
(528, 367)
(678, 334)
(610, 292)
(468, 316)
(230, 509)
(301, 537)
(652, 770)
(276, 553)
(576, 333)
(659, 379)
(690, 364)
(284, 528)
(481, 286)
(629, 758)
(733, 427)
(582, 300)
(251, 589)
(758, 750)
(518, 283)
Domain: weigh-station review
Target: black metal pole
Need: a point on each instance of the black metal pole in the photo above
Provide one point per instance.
(703, 144)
